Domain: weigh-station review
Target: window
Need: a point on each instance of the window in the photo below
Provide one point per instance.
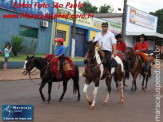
(61, 34)
(28, 31)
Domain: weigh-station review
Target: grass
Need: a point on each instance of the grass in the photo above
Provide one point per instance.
(22, 57)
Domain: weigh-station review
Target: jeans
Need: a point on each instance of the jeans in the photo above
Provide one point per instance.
(147, 65)
(61, 60)
(108, 60)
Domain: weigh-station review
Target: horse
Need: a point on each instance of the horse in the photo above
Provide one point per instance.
(47, 77)
(94, 71)
(135, 66)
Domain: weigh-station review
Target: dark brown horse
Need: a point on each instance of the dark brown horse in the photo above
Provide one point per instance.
(136, 65)
(95, 71)
(48, 77)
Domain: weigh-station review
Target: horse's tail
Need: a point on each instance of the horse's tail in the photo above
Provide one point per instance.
(76, 79)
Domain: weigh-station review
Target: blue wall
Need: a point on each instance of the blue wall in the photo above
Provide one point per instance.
(10, 27)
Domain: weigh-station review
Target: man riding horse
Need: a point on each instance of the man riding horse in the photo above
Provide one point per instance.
(121, 45)
(142, 46)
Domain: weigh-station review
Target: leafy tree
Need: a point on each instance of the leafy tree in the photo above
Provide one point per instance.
(159, 14)
(106, 9)
(88, 7)
(16, 43)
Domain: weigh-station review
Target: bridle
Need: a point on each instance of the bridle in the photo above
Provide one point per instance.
(89, 64)
(31, 65)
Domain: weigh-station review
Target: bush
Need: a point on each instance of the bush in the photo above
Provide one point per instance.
(16, 43)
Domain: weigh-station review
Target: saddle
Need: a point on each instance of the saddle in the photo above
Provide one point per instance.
(145, 57)
(68, 66)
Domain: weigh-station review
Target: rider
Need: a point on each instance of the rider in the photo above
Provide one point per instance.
(121, 45)
(60, 53)
(142, 46)
(105, 42)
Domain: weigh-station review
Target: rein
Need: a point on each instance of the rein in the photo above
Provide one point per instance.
(91, 69)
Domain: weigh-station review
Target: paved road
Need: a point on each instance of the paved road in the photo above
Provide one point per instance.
(137, 107)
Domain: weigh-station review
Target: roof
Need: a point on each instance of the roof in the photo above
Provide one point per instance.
(107, 15)
(146, 33)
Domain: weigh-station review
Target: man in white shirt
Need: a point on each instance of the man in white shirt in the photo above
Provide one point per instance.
(106, 41)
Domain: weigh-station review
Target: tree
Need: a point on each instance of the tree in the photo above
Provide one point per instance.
(88, 7)
(106, 9)
(16, 43)
(159, 14)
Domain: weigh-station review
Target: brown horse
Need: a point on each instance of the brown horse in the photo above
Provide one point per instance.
(94, 71)
(135, 66)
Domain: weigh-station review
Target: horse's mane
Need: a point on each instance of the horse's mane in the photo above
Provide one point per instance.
(130, 48)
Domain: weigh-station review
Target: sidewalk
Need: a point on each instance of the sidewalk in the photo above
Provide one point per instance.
(16, 74)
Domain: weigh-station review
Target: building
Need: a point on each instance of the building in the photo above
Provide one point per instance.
(86, 30)
(137, 22)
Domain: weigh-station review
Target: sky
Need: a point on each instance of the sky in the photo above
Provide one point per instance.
(144, 5)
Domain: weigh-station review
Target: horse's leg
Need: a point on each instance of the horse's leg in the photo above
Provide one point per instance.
(131, 91)
(49, 90)
(108, 83)
(120, 78)
(95, 93)
(85, 91)
(64, 90)
(145, 89)
(76, 86)
(135, 74)
(143, 81)
(40, 89)
(116, 82)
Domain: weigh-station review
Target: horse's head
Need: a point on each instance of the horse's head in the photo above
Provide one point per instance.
(28, 65)
(129, 52)
(90, 51)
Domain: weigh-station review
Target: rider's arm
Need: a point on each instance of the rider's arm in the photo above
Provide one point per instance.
(114, 47)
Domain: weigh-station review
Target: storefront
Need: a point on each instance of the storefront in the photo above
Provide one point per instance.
(139, 22)
(86, 30)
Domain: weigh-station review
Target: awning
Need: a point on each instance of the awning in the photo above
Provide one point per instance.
(146, 33)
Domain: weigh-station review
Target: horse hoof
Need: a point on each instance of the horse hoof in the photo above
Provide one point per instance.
(116, 89)
(121, 102)
(78, 99)
(105, 103)
(48, 101)
(131, 92)
(59, 100)
(145, 89)
(91, 107)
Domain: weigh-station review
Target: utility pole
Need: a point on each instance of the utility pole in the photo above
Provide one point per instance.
(73, 35)
(124, 20)
(53, 33)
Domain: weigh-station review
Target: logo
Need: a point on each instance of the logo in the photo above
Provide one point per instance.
(132, 15)
(17, 112)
